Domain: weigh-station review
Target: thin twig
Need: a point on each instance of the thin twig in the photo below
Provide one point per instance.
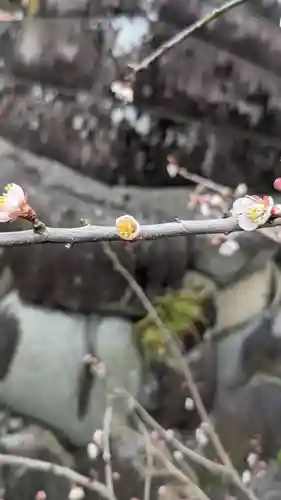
(109, 233)
(182, 35)
(198, 179)
(177, 473)
(106, 449)
(175, 349)
(58, 470)
(152, 450)
(208, 464)
(149, 464)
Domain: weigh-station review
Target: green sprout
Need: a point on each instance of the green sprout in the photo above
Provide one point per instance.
(179, 310)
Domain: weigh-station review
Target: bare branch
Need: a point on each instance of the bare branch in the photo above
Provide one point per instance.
(149, 465)
(153, 450)
(109, 233)
(182, 35)
(192, 455)
(106, 449)
(58, 470)
(182, 364)
(202, 181)
(193, 488)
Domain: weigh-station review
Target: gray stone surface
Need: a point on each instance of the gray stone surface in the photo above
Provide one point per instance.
(230, 79)
(218, 112)
(43, 381)
(237, 349)
(250, 411)
(252, 256)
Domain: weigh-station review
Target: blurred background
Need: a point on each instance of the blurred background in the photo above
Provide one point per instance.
(71, 327)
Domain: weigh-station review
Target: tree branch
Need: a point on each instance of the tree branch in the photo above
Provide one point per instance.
(213, 467)
(182, 35)
(194, 490)
(58, 470)
(106, 451)
(153, 450)
(108, 233)
(183, 366)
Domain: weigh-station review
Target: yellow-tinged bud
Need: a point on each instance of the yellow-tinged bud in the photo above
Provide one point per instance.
(127, 227)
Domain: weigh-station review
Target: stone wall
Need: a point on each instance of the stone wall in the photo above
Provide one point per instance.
(218, 111)
(44, 321)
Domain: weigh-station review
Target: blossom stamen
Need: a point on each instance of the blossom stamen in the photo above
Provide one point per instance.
(255, 212)
(252, 211)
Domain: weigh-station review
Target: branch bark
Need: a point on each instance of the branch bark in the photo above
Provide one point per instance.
(93, 233)
(182, 35)
(183, 366)
(58, 470)
(106, 451)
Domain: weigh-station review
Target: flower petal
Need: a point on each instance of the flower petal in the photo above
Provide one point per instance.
(172, 169)
(241, 205)
(264, 218)
(268, 205)
(270, 202)
(246, 223)
(5, 217)
(16, 191)
(123, 91)
(255, 198)
(10, 203)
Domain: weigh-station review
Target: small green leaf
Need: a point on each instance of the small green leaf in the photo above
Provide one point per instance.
(178, 310)
(84, 222)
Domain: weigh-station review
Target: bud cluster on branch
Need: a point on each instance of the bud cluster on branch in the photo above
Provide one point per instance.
(248, 213)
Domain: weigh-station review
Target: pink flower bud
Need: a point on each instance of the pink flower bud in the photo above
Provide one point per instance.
(276, 210)
(277, 184)
(13, 204)
(40, 495)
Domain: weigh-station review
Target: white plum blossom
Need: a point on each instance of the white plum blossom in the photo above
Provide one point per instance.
(252, 211)
(205, 210)
(170, 434)
(123, 91)
(216, 200)
(13, 203)
(201, 438)
(189, 404)
(99, 369)
(178, 455)
(252, 459)
(98, 437)
(172, 169)
(241, 190)
(229, 247)
(92, 451)
(162, 490)
(76, 493)
(246, 477)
